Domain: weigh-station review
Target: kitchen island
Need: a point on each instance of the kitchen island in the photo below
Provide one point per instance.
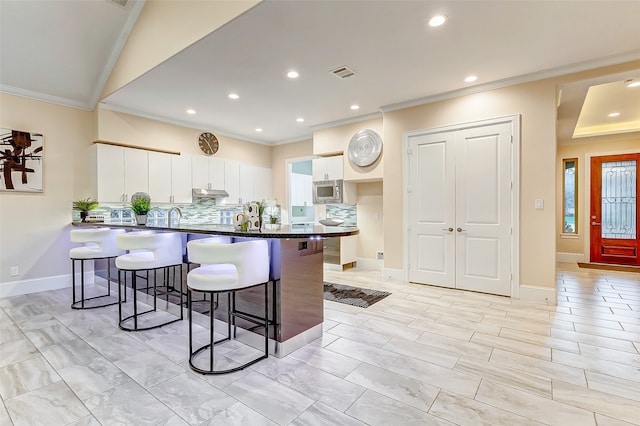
(296, 272)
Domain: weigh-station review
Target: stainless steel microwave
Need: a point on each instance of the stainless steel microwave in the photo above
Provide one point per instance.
(327, 192)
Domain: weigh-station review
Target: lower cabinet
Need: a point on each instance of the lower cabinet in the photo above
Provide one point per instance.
(339, 253)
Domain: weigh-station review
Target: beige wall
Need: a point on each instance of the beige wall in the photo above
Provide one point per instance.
(129, 129)
(279, 156)
(34, 227)
(335, 140)
(166, 27)
(535, 102)
(622, 143)
(370, 220)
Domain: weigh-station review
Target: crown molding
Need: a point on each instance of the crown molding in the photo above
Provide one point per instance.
(44, 97)
(521, 79)
(349, 120)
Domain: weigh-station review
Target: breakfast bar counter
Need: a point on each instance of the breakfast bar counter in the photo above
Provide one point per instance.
(296, 270)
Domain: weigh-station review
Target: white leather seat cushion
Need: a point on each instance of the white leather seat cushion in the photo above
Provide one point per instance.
(137, 260)
(219, 277)
(99, 243)
(87, 252)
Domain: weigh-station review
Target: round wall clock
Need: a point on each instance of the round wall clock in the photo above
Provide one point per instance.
(208, 143)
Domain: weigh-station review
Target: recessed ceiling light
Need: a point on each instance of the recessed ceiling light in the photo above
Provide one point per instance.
(437, 20)
(191, 111)
(354, 107)
(233, 96)
(258, 130)
(634, 84)
(293, 74)
(299, 119)
(471, 79)
(614, 114)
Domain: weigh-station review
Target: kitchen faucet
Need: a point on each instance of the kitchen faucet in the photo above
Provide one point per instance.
(171, 210)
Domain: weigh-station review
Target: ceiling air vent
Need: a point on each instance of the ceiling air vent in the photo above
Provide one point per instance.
(343, 72)
(121, 3)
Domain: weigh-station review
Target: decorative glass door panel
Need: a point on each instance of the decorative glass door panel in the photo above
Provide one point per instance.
(614, 209)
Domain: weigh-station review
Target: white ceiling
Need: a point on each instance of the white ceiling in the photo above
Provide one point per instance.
(397, 58)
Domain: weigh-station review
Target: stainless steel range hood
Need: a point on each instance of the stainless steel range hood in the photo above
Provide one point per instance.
(209, 193)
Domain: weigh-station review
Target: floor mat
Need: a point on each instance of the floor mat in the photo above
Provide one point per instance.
(362, 297)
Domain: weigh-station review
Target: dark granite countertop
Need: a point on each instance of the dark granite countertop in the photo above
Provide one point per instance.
(268, 231)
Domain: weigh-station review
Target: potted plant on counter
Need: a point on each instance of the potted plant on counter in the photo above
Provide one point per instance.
(85, 206)
(141, 207)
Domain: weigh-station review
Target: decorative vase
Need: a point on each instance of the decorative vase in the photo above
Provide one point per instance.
(141, 219)
(83, 215)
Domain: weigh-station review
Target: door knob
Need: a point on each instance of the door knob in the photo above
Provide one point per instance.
(460, 230)
(594, 223)
(450, 229)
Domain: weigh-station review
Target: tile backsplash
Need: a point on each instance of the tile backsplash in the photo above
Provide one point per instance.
(346, 212)
(202, 210)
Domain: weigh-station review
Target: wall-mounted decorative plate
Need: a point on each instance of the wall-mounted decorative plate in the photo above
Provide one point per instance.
(365, 148)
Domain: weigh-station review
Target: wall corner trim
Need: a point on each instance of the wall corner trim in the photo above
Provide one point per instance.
(533, 293)
(393, 274)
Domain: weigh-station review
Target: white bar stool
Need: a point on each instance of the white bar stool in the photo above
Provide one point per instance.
(204, 239)
(227, 268)
(99, 243)
(148, 252)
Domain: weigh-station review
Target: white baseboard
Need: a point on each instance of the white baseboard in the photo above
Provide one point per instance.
(372, 264)
(16, 288)
(546, 295)
(570, 257)
(393, 274)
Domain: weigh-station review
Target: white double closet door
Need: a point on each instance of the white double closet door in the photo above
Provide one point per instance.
(460, 186)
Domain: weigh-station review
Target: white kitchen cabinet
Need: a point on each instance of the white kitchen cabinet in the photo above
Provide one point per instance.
(232, 182)
(121, 172)
(181, 185)
(262, 189)
(207, 172)
(136, 172)
(160, 177)
(110, 173)
(247, 183)
(301, 190)
(339, 252)
(169, 178)
(327, 168)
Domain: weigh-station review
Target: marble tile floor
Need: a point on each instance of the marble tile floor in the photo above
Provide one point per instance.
(422, 356)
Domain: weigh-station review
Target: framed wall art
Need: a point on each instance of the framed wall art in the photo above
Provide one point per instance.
(21, 161)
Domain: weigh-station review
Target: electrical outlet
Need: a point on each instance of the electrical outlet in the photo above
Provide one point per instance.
(14, 272)
(379, 255)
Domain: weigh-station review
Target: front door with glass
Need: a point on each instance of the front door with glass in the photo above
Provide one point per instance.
(614, 213)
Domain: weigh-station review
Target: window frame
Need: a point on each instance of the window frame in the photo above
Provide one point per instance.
(575, 195)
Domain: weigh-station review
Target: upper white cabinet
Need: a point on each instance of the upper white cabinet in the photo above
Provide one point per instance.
(110, 173)
(327, 168)
(232, 182)
(180, 179)
(207, 172)
(263, 189)
(301, 190)
(169, 178)
(121, 172)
